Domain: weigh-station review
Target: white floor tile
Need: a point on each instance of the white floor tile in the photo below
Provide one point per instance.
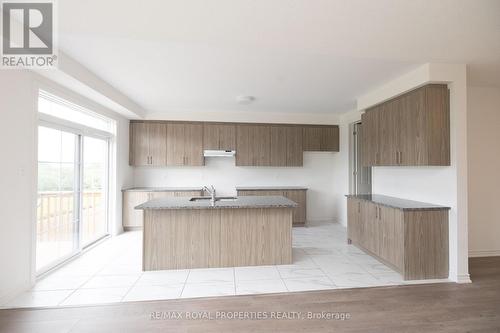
(260, 287)
(147, 293)
(59, 282)
(252, 273)
(39, 298)
(111, 281)
(287, 273)
(163, 277)
(351, 280)
(95, 296)
(194, 290)
(311, 283)
(211, 275)
(112, 272)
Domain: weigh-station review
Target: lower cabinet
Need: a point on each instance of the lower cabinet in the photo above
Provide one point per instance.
(299, 196)
(133, 218)
(413, 242)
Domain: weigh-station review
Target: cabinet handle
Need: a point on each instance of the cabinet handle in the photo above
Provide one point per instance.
(380, 213)
(151, 160)
(397, 157)
(400, 157)
(359, 207)
(376, 212)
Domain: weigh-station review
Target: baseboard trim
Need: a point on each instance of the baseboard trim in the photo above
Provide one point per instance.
(463, 278)
(8, 296)
(484, 253)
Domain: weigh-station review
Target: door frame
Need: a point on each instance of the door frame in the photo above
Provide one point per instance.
(66, 126)
(353, 158)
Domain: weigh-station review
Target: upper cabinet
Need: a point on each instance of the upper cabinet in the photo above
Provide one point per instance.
(165, 143)
(253, 145)
(410, 130)
(219, 136)
(185, 144)
(320, 138)
(148, 142)
(286, 146)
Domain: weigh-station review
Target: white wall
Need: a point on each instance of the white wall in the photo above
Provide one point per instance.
(17, 148)
(483, 135)
(18, 142)
(439, 185)
(318, 175)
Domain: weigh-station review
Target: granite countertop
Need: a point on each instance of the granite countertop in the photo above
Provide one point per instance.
(398, 203)
(240, 202)
(257, 188)
(161, 189)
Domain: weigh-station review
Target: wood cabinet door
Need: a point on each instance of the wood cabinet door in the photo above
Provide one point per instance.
(299, 212)
(312, 138)
(388, 136)
(175, 144)
(370, 121)
(262, 147)
(211, 136)
(294, 146)
(193, 145)
(253, 145)
(227, 137)
(219, 136)
(353, 220)
(391, 236)
(244, 155)
(412, 144)
(437, 129)
(157, 133)
(278, 146)
(366, 143)
(329, 138)
(139, 144)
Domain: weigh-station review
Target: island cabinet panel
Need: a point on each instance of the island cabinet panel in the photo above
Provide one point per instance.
(148, 144)
(204, 238)
(178, 239)
(412, 129)
(320, 138)
(185, 144)
(299, 216)
(219, 136)
(133, 218)
(245, 244)
(413, 242)
(253, 145)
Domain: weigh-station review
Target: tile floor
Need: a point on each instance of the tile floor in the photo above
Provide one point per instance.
(111, 272)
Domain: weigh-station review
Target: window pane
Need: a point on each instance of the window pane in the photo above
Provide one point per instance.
(56, 223)
(94, 217)
(56, 107)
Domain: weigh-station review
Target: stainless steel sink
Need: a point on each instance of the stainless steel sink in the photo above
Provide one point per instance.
(216, 199)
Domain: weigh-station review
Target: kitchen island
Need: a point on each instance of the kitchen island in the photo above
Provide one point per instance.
(184, 232)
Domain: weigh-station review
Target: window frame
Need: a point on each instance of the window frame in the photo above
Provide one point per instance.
(81, 131)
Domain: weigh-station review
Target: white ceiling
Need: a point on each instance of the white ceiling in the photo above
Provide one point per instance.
(293, 55)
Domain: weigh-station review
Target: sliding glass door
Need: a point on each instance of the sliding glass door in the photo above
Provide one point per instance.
(72, 207)
(94, 192)
(57, 204)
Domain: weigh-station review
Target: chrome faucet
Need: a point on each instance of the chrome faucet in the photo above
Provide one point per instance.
(211, 191)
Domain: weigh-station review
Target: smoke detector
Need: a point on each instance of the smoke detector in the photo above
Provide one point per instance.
(245, 99)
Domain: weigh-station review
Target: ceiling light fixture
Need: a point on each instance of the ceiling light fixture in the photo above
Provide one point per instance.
(245, 99)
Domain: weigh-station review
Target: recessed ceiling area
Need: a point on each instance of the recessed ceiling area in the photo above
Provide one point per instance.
(294, 56)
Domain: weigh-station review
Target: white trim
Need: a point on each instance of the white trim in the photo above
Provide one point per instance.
(463, 278)
(484, 253)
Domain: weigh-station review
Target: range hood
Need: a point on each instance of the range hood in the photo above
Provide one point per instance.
(219, 153)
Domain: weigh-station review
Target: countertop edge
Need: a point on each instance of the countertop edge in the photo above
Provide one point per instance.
(437, 207)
